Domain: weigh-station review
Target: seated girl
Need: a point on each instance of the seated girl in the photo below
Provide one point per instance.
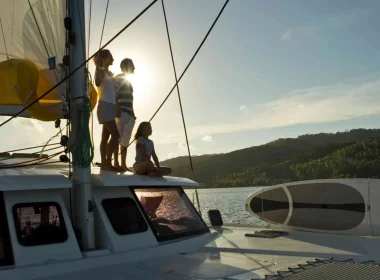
(144, 152)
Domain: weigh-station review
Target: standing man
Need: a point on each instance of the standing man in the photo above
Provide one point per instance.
(125, 115)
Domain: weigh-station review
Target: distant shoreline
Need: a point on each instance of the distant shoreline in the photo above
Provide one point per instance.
(201, 188)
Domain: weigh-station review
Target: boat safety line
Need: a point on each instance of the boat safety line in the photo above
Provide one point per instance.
(188, 65)
(180, 103)
(195, 54)
(104, 24)
(23, 149)
(80, 66)
(89, 30)
(22, 164)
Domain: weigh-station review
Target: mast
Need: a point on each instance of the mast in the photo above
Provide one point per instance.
(83, 215)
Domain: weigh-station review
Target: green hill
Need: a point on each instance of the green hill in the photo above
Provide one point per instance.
(347, 154)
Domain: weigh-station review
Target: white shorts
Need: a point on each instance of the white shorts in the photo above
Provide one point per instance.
(125, 126)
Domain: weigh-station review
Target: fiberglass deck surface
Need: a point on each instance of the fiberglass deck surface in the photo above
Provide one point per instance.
(235, 256)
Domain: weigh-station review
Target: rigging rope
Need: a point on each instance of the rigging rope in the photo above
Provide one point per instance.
(83, 151)
(5, 43)
(180, 103)
(80, 66)
(104, 23)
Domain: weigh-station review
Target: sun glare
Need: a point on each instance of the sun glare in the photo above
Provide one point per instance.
(142, 80)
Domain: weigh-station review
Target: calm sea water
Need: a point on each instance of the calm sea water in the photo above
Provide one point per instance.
(229, 201)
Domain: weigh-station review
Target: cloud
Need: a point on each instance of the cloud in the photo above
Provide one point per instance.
(335, 22)
(312, 105)
(29, 124)
(299, 32)
(183, 145)
(242, 108)
(207, 138)
(287, 35)
(171, 155)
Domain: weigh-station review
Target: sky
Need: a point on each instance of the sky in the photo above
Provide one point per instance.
(269, 69)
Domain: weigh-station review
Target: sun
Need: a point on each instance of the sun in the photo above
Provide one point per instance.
(143, 78)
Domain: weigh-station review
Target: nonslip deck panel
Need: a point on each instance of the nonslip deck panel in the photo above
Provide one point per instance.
(330, 270)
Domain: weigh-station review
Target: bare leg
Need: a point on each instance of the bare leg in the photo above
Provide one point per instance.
(163, 171)
(145, 168)
(124, 158)
(112, 144)
(160, 171)
(103, 145)
(116, 157)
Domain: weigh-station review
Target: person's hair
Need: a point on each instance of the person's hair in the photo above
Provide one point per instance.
(140, 129)
(125, 63)
(103, 54)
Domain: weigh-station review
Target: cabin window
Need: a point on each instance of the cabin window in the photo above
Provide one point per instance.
(124, 215)
(6, 254)
(169, 212)
(39, 223)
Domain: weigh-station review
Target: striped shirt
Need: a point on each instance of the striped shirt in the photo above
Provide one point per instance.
(124, 94)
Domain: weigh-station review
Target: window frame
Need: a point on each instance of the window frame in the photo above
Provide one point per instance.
(188, 203)
(37, 204)
(138, 209)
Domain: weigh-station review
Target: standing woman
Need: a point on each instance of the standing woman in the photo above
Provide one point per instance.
(106, 108)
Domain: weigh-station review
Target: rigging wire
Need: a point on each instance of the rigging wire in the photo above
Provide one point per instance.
(5, 43)
(51, 138)
(43, 41)
(89, 30)
(180, 103)
(12, 165)
(35, 153)
(104, 23)
(188, 65)
(80, 66)
(89, 74)
(195, 54)
(50, 21)
(29, 148)
(38, 27)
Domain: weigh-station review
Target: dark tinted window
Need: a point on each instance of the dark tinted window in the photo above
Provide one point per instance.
(124, 215)
(169, 212)
(39, 223)
(6, 254)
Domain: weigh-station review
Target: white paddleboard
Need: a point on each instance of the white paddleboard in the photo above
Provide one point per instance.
(332, 206)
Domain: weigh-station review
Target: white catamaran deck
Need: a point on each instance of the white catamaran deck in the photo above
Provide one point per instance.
(232, 255)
